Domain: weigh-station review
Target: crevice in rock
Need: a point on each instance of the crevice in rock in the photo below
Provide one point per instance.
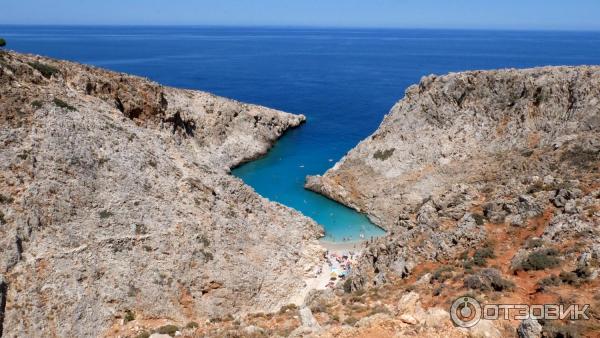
(188, 126)
(3, 295)
(119, 105)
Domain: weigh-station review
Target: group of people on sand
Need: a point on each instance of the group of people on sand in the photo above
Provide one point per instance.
(340, 265)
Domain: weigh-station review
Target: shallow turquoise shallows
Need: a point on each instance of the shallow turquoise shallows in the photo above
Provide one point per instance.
(343, 80)
(280, 177)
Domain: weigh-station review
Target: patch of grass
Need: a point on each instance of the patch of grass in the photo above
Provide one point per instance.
(105, 214)
(350, 321)
(442, 274)
(129, 316)
(191, 325)
(46, 70)
(384, 154)
(168, 329)
(62, 104)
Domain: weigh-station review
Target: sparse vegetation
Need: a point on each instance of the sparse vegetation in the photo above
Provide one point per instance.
(534, 243)
(36, 104)
(479, 219)
(105, 214)
(350, 321)
(168, 329)
(488, 280)
(46, 70)
(442, 273)
(6, 199)
(347, 285)
(144, 334)
(129, 316)
(481, 256)
(62, 104)
(286, 308)
(540, 260)
(383, 154)
(2, 42)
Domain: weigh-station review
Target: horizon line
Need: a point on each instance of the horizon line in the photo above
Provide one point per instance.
(277, 26)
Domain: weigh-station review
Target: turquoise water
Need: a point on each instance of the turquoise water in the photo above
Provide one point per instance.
(280, 177)
(343, 80)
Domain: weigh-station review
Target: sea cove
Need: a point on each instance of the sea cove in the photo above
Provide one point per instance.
(343, 80)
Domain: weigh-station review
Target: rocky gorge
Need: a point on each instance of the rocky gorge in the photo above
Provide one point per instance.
(119, 218)
(488, 183)
(116, 203)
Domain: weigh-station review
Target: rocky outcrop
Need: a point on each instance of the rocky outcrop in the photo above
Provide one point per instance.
(466, 150)
(469, 127)
(116, 202)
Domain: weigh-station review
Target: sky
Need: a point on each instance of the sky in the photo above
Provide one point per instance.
(476, 14)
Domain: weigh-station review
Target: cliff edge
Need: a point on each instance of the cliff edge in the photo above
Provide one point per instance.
(116, 203)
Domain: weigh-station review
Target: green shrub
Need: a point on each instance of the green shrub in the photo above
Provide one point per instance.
(350, 321)
(6, 199)
(191, 325)
(46, 70)
(383, 154)
(129, 316)
(479, 219)
(552, 280)
(168, 329)
(568, 277)
(540, 260)
(534, 243)
(36, 104)
(481, 255)
(487, 280)
(62, 104)
(2, 42)
(144, 334)
(105, 214)
(442, 273)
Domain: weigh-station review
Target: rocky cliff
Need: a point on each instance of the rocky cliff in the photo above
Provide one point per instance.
(489, 184)
(116, 203)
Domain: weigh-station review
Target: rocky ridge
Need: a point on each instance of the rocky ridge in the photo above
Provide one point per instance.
(116, 203)
(488, 183)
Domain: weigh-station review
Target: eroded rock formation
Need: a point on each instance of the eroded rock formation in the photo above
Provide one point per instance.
(115, 201)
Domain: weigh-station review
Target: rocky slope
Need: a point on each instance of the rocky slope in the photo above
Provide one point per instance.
(116, 203)
(489, 183)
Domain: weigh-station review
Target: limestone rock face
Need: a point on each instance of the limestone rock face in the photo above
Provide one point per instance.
(116, 198)
(465, 150)
(466, 127)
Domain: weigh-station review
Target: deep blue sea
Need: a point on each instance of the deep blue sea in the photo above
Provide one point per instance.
(343, 80)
